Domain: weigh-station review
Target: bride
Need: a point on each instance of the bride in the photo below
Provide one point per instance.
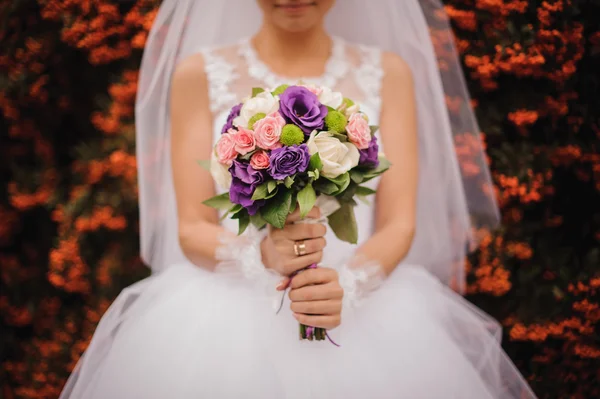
(204, 325)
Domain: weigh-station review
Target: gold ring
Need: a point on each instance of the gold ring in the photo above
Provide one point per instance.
(300, 248)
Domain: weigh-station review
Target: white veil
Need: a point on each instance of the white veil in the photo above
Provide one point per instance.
(455, 192)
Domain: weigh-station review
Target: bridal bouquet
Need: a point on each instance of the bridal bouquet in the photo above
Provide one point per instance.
(282, 148)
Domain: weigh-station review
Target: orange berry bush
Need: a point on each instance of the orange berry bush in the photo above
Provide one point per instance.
(68, 210)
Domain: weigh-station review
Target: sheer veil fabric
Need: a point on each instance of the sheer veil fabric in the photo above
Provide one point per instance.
(187, 332)
(455, 198)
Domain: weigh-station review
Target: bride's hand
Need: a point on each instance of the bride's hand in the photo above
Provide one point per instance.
(279, 247)
(316, 297)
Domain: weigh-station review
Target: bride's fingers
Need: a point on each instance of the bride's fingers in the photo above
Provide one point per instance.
(318, 292)
(321, 275)
(283, 284)
(329, 307)
(328, 321)
(310, 246)
(302, 231)
(314, 213)
(300, 262)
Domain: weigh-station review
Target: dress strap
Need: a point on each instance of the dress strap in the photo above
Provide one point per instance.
(369, 75)
(220, 75)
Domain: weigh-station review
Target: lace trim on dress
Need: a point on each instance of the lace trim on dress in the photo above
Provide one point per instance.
(219, 74)
(241, 256)
(335, 68)
(369, 76)
(359, 278)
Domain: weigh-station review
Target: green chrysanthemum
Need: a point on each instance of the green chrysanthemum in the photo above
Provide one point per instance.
(336, 121)
(280, 89)
(255, 119)
(291, 135)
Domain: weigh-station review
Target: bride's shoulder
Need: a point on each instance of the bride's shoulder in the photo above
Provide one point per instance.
(395, 65)
(388, 61)
(205, 59)
(202, 56)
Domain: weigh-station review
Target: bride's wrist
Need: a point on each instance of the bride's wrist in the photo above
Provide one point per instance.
(360, 278)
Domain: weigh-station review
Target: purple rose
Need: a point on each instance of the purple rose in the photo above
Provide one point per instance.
(244, 181)
(287, 161)
(369, 157)
(235, 112)
(300, 106)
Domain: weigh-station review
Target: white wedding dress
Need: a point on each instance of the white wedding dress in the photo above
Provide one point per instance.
(189, 333)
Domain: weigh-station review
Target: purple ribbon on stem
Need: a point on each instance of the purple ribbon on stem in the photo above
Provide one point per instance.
(309, 330)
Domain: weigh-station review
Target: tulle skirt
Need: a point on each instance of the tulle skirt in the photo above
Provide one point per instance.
(188, 333)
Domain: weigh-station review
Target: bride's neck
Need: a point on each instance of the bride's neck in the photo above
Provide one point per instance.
(280, 47)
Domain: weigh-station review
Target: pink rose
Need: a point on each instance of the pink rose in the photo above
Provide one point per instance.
(314, 90)
(260, 160)
(359, 131)
(268, 131)
(244, 141)
(225, 148)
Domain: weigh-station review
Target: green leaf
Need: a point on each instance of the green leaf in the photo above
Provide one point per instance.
(306, 199)
(288, 182)
(260, 192)
(384, 165)
(247, 156)
(342, 182)
(347, 196)
(235, 209)
(315, 162)
(364, 200)
(325, 186)
(276, 211)
(330, 108)
(221, 202)
(294, 204)
(343, 224)
(243, 220)
(257, 221)
(256, 91)
(356, 176)
(341, 137)
(271, 185)
(374, 130)
(271, 195)
(205, 164)
(364, 191)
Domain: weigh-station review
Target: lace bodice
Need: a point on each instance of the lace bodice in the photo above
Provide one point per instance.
(355, 71)
(233, 71)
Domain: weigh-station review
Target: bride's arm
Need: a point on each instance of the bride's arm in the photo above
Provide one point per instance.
(191, 140)
(396, 197)
(200, 234)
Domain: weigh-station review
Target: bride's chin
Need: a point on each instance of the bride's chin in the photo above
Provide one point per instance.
(296, 8)
(296, 23)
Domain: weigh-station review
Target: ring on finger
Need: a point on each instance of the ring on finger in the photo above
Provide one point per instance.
(300, 248)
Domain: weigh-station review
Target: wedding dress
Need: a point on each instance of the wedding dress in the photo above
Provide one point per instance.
(190, 333)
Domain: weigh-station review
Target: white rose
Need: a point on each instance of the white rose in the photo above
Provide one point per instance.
(220, 172)
(264, 103)
(333, 99)
(337, 157)
(351, 110)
